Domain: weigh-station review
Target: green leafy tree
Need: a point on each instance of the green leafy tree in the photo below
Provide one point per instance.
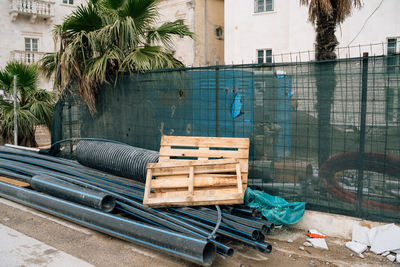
(105, 37)
(35, 106)
(326, 15)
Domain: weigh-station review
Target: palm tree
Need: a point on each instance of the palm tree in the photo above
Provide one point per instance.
(106, 37)
(35, 106)
(326, 15)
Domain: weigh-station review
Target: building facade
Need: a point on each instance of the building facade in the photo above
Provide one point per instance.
(206, 19)
(277, 30)
(26, 27)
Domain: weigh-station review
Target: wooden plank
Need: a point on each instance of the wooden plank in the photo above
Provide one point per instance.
(203, 149)
(199, 169)
(240, 154)
(239, 179)
(14, 182)
(191, 180)
(244, 166)
(209, 193)
(188, 203)
(147, 186)
(222, 142)
(176, 163)
(182, 198)
(199, 181)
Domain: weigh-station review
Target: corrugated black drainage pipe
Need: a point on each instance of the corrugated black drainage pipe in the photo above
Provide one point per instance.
(75, 193)
(122, 160)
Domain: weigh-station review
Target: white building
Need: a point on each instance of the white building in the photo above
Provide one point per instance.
(257, 29)
(26, 27)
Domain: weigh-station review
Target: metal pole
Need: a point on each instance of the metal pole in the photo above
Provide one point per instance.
(364, 91)
(15, 112)
(205, 32)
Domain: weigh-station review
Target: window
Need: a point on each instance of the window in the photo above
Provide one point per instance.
(31, 45)
(392, 60)
(68, 2)
(263, 5)
(219, 33)
(264, 56)
(391, 46)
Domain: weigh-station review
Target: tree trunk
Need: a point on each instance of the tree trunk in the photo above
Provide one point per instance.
(326, 43)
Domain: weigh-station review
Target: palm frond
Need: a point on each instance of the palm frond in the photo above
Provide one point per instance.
(164, 34)
(342, 8)
(108, 36)
(84, 18)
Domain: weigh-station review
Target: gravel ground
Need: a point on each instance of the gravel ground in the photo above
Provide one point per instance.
(101, 250)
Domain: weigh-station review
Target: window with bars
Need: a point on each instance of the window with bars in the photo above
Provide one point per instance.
(391, 46)
(264, 56)
(68, 2)
(31, 45)
(263, 6)
(392, 61)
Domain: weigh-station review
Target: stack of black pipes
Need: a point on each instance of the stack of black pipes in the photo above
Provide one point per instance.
(90, 197)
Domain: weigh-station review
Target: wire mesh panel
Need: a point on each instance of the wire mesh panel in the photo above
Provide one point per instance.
(326, 133)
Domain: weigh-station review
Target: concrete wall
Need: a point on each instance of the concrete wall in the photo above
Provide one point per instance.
(287, 29)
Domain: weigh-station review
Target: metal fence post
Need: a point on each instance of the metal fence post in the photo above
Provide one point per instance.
(217, 101)
(360, 172)
(15, 112)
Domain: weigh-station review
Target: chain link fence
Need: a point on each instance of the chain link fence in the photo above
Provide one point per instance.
(327, 133)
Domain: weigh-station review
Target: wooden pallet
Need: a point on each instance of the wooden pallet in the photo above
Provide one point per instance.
(13, 181)
(198, 171)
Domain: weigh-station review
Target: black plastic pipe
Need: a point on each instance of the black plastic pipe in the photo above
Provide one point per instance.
(251, 232)
(86, 178)
(57, 167)
(71, 192)
(11, 174)
(78, 181)
(182, 246)
(221, 248)
(264, 226)
(263, 247)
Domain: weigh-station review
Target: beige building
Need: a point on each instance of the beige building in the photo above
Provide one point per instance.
(207, 47)
(26, 27)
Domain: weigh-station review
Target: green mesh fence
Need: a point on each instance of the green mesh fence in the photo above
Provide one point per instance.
(327, 133)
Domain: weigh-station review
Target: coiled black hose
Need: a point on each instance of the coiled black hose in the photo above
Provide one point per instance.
(122, 160)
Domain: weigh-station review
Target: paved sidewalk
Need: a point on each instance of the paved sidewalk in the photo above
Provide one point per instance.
(17, 249)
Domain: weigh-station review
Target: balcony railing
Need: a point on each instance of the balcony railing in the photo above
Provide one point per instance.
(26, 57)
(34, 8)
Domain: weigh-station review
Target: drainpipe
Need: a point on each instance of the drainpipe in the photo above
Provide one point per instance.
(205, 32)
